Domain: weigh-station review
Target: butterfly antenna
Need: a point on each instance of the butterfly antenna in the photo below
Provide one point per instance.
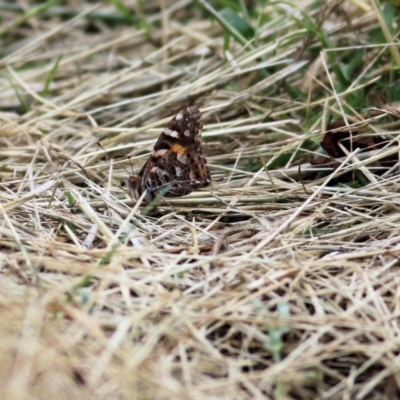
(130, 164)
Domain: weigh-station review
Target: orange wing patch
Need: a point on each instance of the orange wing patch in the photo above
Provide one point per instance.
(178, 149)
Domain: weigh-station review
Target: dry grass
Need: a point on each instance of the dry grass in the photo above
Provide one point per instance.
(278, 282)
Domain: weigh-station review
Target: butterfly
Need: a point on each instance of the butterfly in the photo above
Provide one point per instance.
(177, 165)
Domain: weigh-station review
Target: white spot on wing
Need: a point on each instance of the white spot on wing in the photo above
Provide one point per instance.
(179, 116)
(182, 159)
(160, 153)
(159, 171)
(178, 171)
(170, 132)
(187, 132)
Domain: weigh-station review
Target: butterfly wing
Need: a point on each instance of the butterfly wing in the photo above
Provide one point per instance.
(177, 164)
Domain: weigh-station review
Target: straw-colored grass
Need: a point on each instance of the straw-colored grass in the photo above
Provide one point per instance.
(279, 281)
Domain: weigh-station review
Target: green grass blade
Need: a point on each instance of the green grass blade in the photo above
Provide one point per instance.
(51, 75)
(28, 15)
(226, 25)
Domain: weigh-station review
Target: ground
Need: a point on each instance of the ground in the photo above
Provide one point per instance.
(279, 280)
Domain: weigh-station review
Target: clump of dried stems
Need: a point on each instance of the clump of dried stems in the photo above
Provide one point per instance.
(279, 281)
